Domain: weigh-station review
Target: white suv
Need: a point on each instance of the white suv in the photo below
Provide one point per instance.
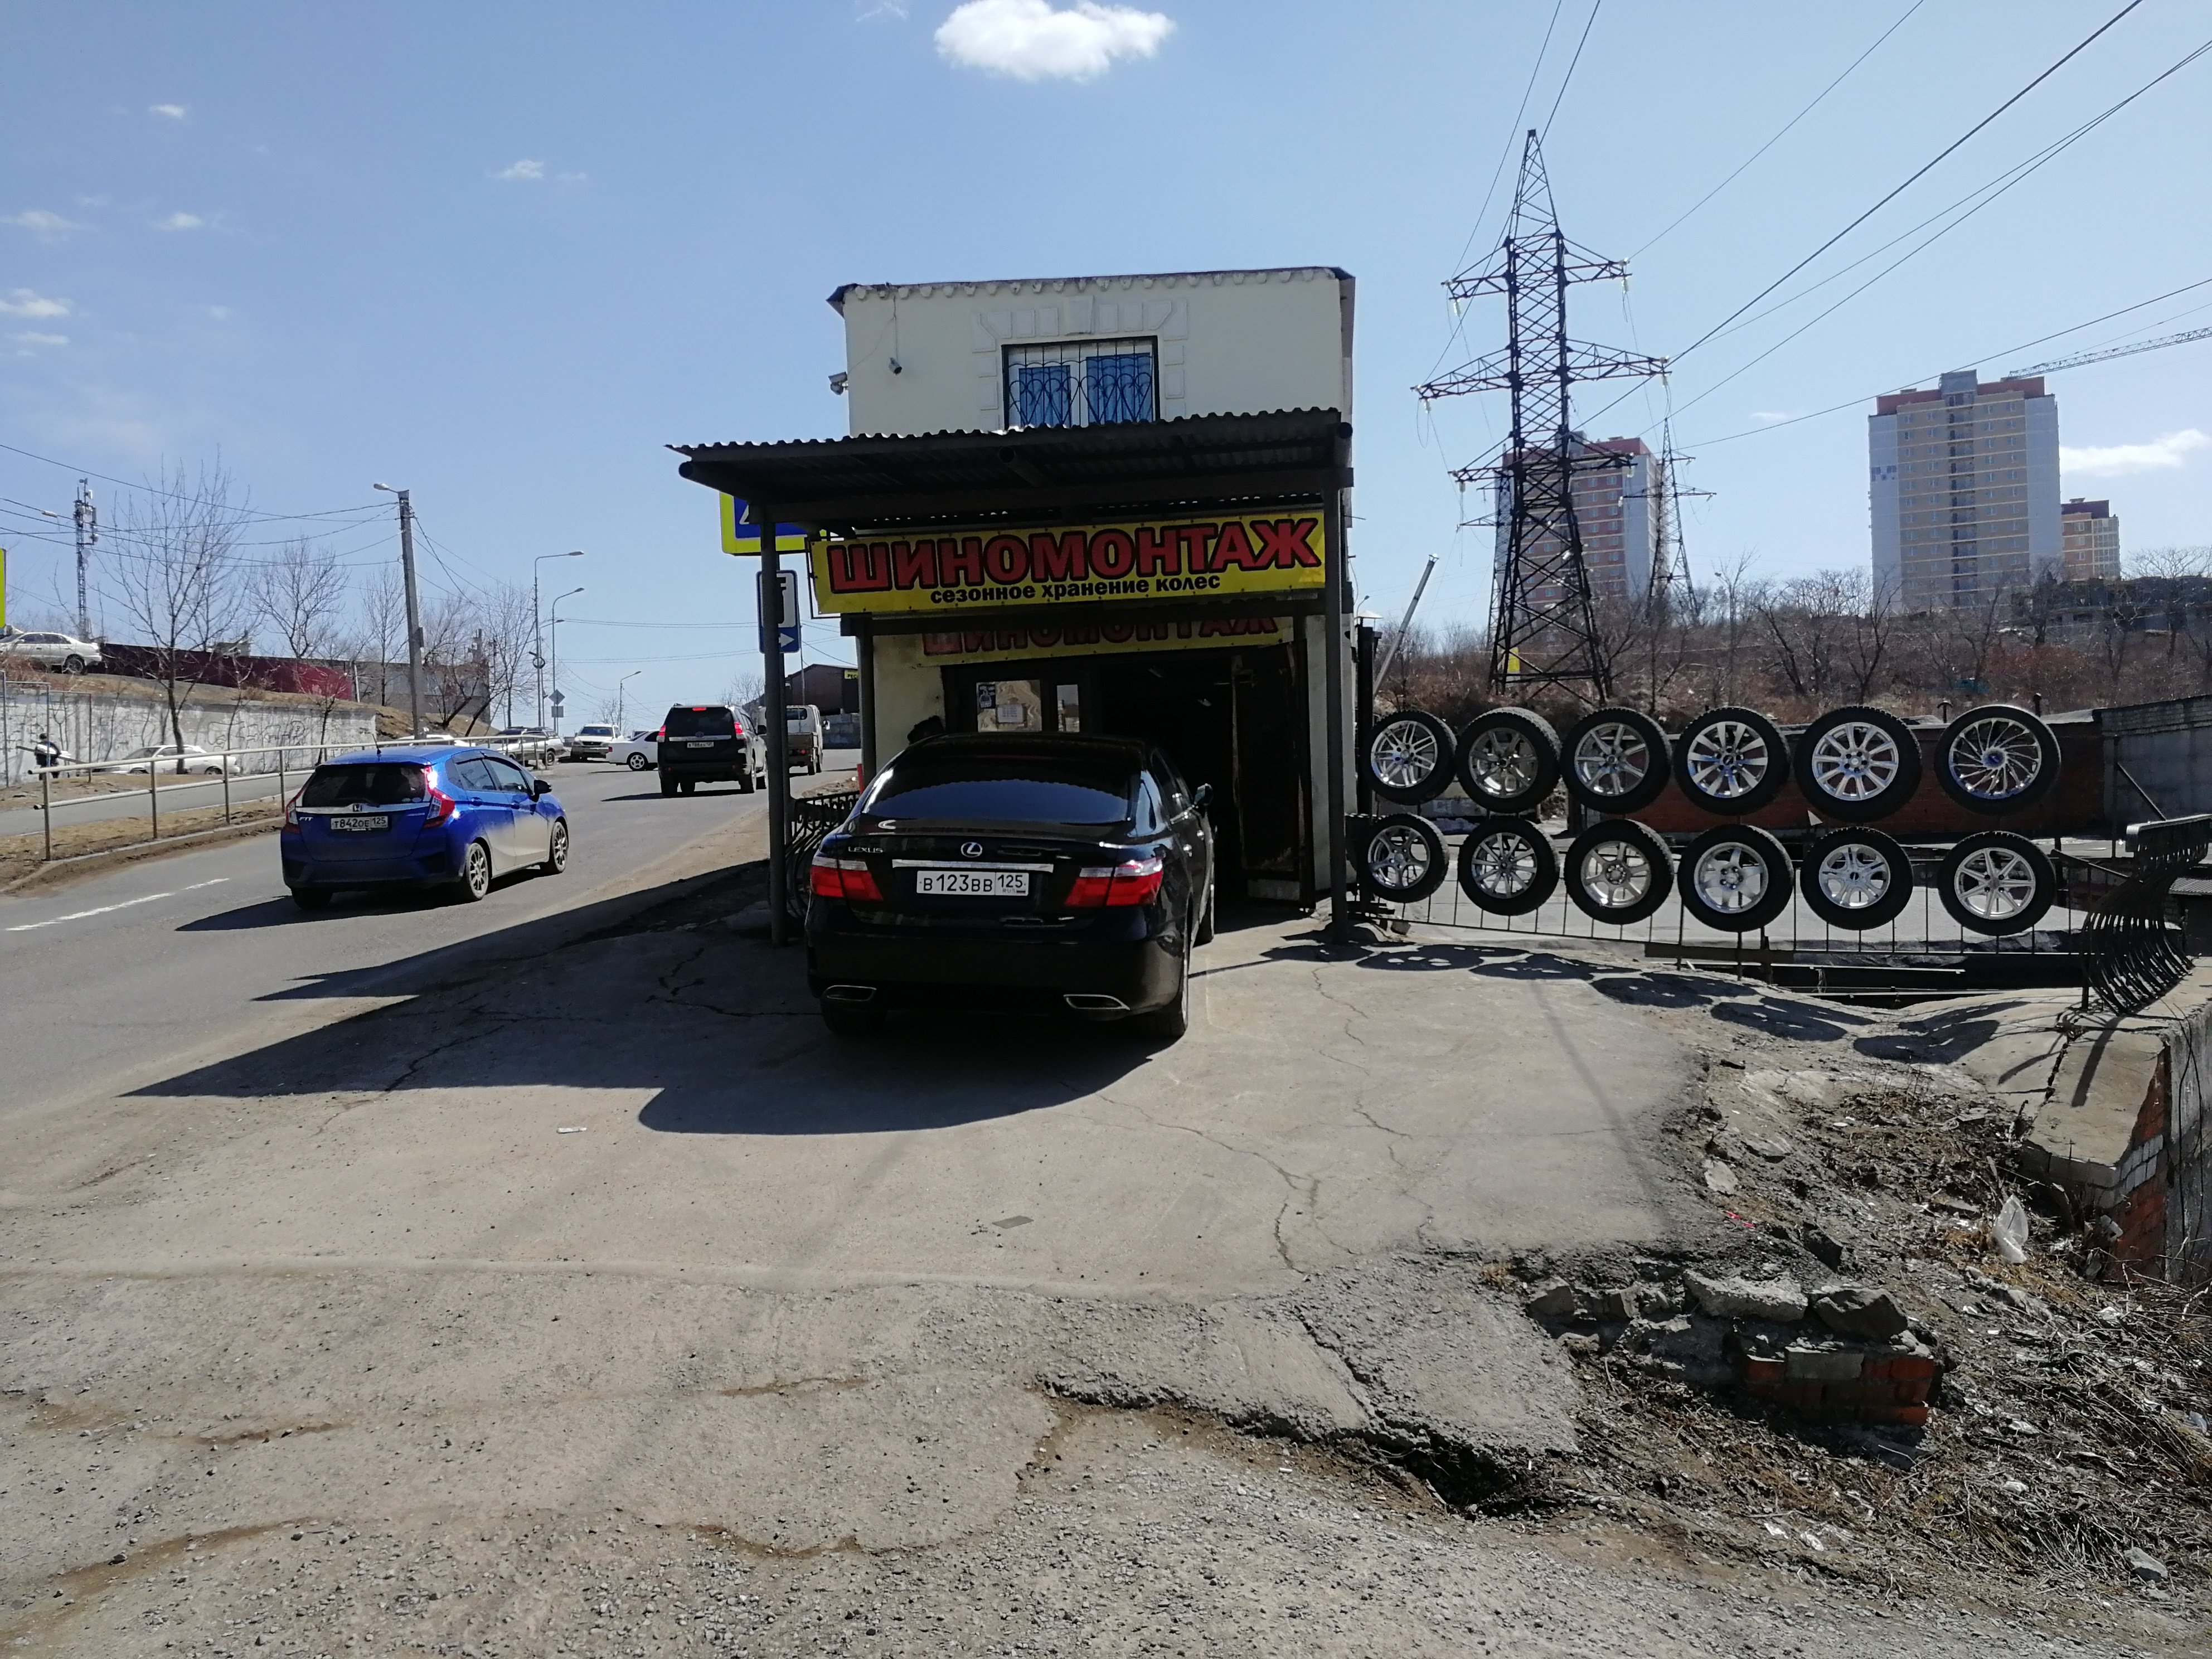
(591, 742)
(62, 651)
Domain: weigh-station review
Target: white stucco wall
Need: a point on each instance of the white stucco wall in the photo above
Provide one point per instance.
(1230, 343)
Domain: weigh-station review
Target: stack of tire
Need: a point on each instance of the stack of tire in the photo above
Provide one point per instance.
(1853, 766)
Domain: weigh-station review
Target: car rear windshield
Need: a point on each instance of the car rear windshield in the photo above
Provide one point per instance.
(383, 783)
(993, 788)
(702, 723)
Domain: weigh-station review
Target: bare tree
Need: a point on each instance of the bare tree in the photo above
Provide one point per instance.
(301, 594)
(383, 632)
(175, 578)
(1870, 626)
(2171, 561)
(504, 616)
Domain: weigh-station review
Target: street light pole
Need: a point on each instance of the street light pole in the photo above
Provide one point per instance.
(538, 629)
(555, 653)
(619, 686)
(414, 613)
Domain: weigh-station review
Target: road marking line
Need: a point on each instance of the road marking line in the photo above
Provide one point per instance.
(196, 885)
(79, 915)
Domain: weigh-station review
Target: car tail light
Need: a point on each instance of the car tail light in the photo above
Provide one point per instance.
(443, 805)
(845, 879)
(1133, 882)
(292, 808)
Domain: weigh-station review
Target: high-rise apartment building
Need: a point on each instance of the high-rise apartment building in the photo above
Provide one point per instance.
(2090, 539)
(1963, 488)
(1616, 482)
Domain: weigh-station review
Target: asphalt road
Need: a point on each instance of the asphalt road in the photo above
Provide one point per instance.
(137, 969)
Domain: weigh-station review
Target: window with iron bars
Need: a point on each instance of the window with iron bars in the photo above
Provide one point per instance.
(1082, 383)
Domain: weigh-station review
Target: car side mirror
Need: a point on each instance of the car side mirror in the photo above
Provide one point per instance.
(539, 789)
(1201, 795)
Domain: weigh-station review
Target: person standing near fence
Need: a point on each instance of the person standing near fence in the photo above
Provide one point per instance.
(46, 754)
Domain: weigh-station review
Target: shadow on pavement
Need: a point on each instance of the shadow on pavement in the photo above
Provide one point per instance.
(651, 992)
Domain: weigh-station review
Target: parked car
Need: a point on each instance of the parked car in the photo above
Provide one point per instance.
(530, 743)
(591, 742)
(1017, 871)
(640, 752)
(418, 815)
(840, 731)
(709, 742)
(802, 726)
(63, 651)
(169, 758)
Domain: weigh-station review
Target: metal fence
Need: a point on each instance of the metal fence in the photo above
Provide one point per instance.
(213, 779)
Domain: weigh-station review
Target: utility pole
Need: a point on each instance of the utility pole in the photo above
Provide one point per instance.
(774, 735)
(88, 538)
(414, 611)
(537, 630)
(1544, 628)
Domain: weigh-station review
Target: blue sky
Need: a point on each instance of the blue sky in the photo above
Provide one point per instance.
(503, 253)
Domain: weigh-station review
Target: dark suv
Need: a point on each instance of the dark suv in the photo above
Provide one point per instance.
(709, 742)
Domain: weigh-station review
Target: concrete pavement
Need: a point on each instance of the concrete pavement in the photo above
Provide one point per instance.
(541, 1275)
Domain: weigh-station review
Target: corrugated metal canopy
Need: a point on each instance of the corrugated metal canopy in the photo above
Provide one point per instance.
(1035, 473)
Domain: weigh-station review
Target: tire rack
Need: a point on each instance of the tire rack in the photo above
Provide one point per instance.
(1921, 953)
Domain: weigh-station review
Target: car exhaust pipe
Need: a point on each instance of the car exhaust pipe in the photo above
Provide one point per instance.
(1090, 1002)
(849, 993)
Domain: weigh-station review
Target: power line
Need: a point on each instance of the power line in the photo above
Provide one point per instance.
(1918, 174)
(1786, 127)
(1987, 192)
(155, 489)
(1567, 79)
(2025, 345)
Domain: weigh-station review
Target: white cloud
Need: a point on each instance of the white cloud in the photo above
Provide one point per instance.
(175, 111)
(220, 313)
(22, 302)
(893, 8)
(522, 170)
(2161, 454)
(47, 226)
(37, 339)
(1031, 41)
(179, 222)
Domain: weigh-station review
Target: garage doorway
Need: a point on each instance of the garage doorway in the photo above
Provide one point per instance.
(1233, 719)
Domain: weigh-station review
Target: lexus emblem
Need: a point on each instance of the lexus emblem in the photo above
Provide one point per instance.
(971, 849)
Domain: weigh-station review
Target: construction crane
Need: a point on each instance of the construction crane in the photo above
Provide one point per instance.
(2116, 351)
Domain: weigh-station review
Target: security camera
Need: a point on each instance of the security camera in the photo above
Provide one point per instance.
(837, 382)
(895, 369)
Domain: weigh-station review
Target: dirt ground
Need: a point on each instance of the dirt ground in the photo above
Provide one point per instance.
(21, 854)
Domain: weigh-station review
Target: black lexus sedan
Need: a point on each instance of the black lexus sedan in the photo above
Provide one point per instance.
(1037, 872)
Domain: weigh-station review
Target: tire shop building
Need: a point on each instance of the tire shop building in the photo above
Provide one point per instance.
(1106, 504)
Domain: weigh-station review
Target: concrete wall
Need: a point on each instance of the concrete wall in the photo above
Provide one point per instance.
(92, 726)
(2160, 753)
(1230, 343)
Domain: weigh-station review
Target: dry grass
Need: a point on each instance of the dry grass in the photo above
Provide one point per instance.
(21, 854)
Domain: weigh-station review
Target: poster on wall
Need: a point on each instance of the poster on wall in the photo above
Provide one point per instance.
(947, 571)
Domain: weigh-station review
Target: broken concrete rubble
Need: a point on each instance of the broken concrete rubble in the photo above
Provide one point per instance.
(1744, 1299)
(1854, 1310)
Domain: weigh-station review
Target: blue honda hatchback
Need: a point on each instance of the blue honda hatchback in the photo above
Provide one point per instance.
(419, 817)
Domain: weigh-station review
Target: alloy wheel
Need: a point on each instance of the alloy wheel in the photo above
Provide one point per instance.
(1398, 858)
(1856, 761)
(1995, 882)
(1995, 758)
(1617, 874)
(1504, 867)
(1728, 759)
(1503, 762)
(1404, 754)
(1611, 759)
(1853, 877)
(1731, 878)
